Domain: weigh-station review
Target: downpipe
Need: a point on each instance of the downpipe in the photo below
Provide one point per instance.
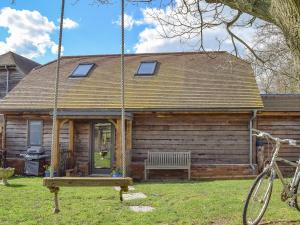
(251, 139)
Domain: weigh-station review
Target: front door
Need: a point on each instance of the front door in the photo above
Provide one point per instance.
(102, 147)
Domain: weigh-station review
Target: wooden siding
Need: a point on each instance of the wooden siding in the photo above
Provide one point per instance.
(16, 136)
(82, 142)
(282, 127)
(211, 138)
(14, 78)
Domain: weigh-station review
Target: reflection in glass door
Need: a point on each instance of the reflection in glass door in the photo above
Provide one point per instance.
(102, 149)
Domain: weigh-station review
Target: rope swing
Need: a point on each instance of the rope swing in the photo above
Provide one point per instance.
(54, 183)
(55, 98)
(56, 92)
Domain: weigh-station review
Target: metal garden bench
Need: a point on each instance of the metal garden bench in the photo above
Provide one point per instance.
(168, 161)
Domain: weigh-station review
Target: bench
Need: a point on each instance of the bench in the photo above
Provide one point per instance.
(168, 161)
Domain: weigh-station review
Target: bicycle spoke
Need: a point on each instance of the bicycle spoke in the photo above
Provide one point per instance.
(259, 199)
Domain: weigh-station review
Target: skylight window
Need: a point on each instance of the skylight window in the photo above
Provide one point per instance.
(147, 68)
(82, 70)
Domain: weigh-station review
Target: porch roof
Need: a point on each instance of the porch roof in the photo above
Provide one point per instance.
(83, 114)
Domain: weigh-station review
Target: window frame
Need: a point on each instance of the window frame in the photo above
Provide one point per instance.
(28, 132)
(147, 74)
(81, 75)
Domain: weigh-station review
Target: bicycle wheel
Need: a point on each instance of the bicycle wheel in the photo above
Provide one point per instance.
(258, 198)
(297, 192)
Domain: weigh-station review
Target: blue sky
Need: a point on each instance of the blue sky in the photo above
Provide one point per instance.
(29, 27)
(96, 32)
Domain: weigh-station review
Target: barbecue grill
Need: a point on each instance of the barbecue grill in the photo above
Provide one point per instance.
(35, 159)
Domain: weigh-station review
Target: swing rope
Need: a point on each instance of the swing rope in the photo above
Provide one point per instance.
(123, 141)
(55, 97)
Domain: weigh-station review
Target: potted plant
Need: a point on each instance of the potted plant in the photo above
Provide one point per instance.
(47, 172)
(116, 172)
(6, 173)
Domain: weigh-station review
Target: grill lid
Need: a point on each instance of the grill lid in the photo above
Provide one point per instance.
(35, 150)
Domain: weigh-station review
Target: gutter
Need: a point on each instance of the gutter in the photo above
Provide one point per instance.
(251, 139)
(7, 78)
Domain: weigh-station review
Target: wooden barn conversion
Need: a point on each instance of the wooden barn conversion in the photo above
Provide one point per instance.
(175, 102)
(13, 68)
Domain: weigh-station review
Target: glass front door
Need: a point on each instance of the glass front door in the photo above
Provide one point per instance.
(103, 148)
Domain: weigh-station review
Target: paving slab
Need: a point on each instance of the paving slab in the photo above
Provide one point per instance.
(132, 196)
(141, 208)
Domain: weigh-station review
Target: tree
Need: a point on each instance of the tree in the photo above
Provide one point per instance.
(276, 74)
(191, 17)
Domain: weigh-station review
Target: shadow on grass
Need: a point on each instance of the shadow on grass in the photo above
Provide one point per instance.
(14, 185)
(282, 222)
(162, 181)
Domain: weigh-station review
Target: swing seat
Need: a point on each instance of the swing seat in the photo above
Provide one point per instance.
(54, 183)
(87, 181)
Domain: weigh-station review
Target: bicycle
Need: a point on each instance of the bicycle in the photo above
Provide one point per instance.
(260, 192)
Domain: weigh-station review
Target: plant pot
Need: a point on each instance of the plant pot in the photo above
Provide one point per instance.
(6, 173)
(117, 175)
(47, 173)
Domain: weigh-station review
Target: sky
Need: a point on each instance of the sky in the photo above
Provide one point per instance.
(30, 28)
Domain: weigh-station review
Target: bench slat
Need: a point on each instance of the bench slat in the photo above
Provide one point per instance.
(168, 160)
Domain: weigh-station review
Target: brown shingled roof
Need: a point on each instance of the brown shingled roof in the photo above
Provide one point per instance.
(183, 81)
(281, 102)
(13, 59)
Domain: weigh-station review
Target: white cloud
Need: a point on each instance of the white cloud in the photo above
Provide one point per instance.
(69, 23)
(129, 22)
(28, 32)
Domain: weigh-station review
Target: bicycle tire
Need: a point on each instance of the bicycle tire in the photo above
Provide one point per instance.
(297, 202)
(265, 173)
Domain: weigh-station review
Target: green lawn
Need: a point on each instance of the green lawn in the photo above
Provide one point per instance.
(26, 201)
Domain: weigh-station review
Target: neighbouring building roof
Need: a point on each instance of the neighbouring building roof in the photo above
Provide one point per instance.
(23, 64)
(198, 81)
(281, 102)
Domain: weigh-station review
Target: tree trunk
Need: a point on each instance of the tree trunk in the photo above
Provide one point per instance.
(287, 16)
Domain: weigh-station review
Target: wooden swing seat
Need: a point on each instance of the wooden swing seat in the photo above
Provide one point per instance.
(86, 181)
(54, 183)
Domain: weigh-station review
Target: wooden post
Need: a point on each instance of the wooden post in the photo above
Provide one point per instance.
(118, 144)
(3, 144)
(128, 145)
(56, 147)
(71, 144)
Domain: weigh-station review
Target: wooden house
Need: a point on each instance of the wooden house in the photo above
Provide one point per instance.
(281, 118)
(197, 102)
(13, 68)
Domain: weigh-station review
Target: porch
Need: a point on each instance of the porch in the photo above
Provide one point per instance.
(86, 144)
(93, 145)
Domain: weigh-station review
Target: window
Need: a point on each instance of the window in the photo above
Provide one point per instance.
(147, 68)
(82, 70)
(35, 130)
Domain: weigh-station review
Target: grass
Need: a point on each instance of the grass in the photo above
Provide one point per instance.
(26, 201)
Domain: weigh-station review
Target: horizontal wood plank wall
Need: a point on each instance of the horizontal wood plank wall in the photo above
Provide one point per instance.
(282, 127)
(211, 138)
(82, 142)
(16, 135)
(14, 78)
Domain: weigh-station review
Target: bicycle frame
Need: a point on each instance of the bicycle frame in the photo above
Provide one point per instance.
(273, 165)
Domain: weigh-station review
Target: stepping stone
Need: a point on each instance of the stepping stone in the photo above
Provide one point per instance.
(141, 208)
(130, 188)
(132, 196)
